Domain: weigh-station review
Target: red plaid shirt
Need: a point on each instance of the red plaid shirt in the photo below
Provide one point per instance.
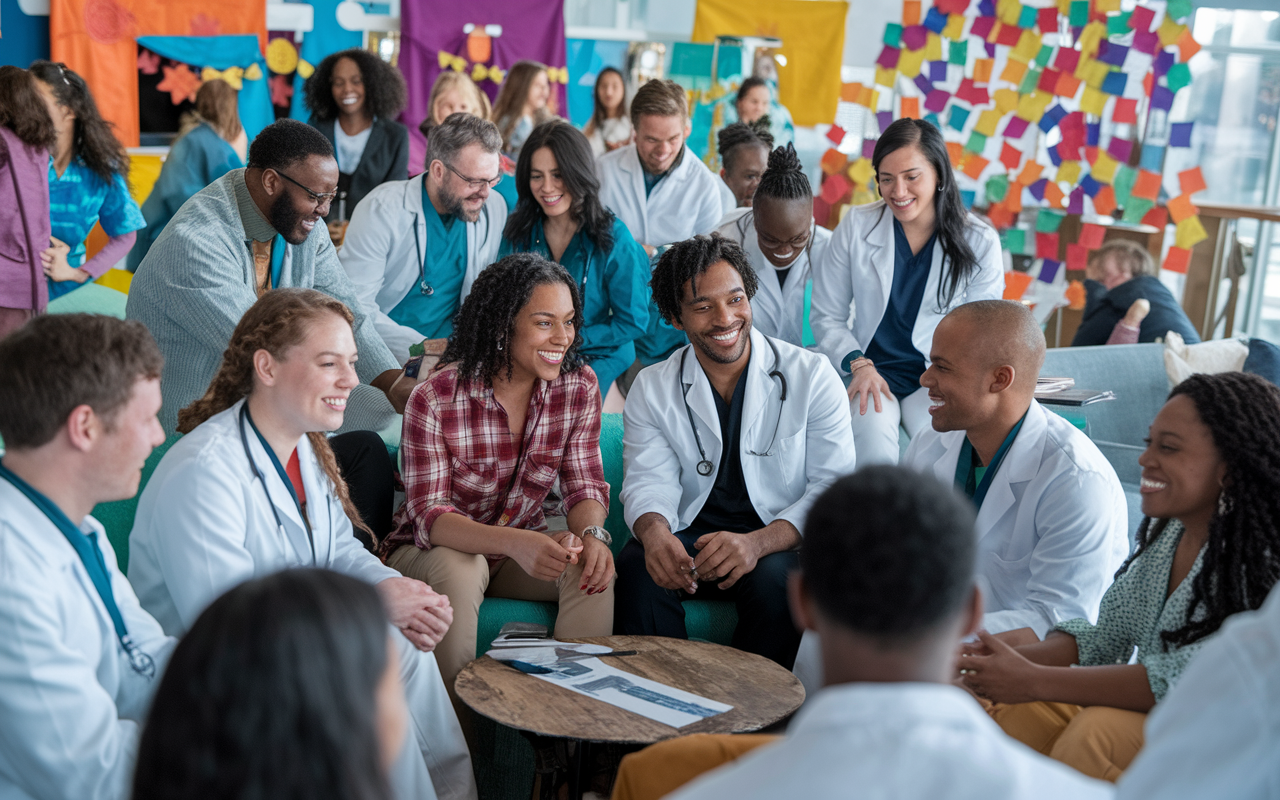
(458, 455)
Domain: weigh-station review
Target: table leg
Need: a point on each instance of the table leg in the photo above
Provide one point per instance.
(579, 764)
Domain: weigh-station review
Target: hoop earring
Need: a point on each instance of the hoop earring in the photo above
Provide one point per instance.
(1225, 504)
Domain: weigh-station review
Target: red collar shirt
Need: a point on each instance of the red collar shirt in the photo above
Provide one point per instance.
(459, 456)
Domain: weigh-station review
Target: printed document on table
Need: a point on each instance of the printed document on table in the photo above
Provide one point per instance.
(574, 667)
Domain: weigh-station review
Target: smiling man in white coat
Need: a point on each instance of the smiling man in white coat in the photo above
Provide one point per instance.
(1052, 519)
(660, 190)
(79, 658)
(414, 247)
(726, 445)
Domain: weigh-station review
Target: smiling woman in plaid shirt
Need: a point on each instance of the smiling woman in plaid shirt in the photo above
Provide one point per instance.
(507, 411)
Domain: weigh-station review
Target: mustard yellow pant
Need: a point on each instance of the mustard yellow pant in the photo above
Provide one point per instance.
(466, 579)
(1099, 741)
(661, 768)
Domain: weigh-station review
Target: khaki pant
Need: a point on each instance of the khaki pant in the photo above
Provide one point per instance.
(660, 769)
(466, 579)
(1099, 741)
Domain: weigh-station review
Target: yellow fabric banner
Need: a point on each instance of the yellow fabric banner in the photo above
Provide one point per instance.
(812, 34)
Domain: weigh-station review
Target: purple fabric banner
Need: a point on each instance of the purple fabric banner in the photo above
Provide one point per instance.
(430, 27)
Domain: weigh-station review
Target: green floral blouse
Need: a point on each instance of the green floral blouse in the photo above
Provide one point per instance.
(1135, 611)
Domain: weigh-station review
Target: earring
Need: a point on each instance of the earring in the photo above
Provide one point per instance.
(499, 345)
(1225, 504)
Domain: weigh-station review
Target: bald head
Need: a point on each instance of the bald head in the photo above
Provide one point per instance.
(1004, 332)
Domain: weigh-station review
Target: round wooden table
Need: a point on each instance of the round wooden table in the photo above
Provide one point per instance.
(760, 691)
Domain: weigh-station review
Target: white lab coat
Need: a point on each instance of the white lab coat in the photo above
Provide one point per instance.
(385, 246)
(1053, 529)
(776, 310)
(894, 741)
(1217, 733)
(71, 706)
(813, 445)
(204, 524)
(685, 203)
(728, 200)
(858, 271)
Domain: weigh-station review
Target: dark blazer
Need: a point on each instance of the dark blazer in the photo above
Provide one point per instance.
(1103, 309)
(386, 158)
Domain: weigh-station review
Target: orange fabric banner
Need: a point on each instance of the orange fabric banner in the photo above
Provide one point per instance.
(96, 38)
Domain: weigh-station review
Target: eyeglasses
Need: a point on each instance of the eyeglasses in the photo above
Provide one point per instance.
(319, 198)
(798, 242)
(474, 183)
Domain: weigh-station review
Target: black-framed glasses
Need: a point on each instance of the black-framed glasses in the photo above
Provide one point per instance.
(474, 183)
(319, 198)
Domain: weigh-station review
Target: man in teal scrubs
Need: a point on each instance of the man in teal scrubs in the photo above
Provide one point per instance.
(414, 247)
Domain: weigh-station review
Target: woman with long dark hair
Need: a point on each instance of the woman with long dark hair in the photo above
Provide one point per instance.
(901, 264)
(1208, 547)
(212, 144)
(521, 104)
(559, 216)
(610, 125)
(285, 687)
(253, 488)
(354, 98)
(26, 135)
(507, 412)
(88, 183)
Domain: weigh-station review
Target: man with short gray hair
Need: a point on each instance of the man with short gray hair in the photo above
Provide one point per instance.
(414, 247)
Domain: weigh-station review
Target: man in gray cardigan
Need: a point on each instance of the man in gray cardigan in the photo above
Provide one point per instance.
(252, 230)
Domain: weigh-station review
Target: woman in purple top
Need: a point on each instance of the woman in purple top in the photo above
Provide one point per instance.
(26, 134)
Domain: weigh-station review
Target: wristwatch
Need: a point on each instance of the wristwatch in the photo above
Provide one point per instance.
(599, 533)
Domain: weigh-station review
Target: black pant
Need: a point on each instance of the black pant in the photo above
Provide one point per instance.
(366, 466)
(765, 627)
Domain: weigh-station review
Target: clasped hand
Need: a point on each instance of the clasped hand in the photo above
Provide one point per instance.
(720, 555)
(995, 671)
(422, 614)
(545, 557)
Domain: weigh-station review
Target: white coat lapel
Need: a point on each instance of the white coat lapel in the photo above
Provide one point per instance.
(879, 244)
(759, 388)
(316, 484)
(1020, 465)
(702, 404)
(279, 496)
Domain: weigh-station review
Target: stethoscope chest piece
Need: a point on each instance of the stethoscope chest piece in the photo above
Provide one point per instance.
(705, 468)
(427, 289)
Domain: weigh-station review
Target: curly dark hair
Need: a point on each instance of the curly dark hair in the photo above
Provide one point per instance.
(485, 325)
(22, 109)
(1242, 554)
(576, 165)
(94, 142)
(784, 179)
(952, 217)
(684, 261)
(904, 567)
(731, 137)
(385, 94)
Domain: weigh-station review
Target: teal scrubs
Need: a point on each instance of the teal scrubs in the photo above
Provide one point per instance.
(973, 478)
(430, 311)
(615, 295)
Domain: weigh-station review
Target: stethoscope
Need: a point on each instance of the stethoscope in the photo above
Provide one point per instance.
(244, 440)
(705, 467)
(586, 270)
(424, 288)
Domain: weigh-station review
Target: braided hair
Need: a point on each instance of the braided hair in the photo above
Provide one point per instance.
(1242, 554)
(684, 261)
(785, 178)
(731, 137)
(280, 319)
(484, 327)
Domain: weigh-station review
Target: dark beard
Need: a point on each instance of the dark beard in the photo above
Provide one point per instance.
(286, 219)
(453, 205)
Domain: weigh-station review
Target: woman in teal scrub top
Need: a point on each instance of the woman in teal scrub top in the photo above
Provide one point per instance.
(559, 216)
(87, 170)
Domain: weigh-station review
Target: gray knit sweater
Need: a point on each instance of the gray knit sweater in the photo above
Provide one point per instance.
(198, 280)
